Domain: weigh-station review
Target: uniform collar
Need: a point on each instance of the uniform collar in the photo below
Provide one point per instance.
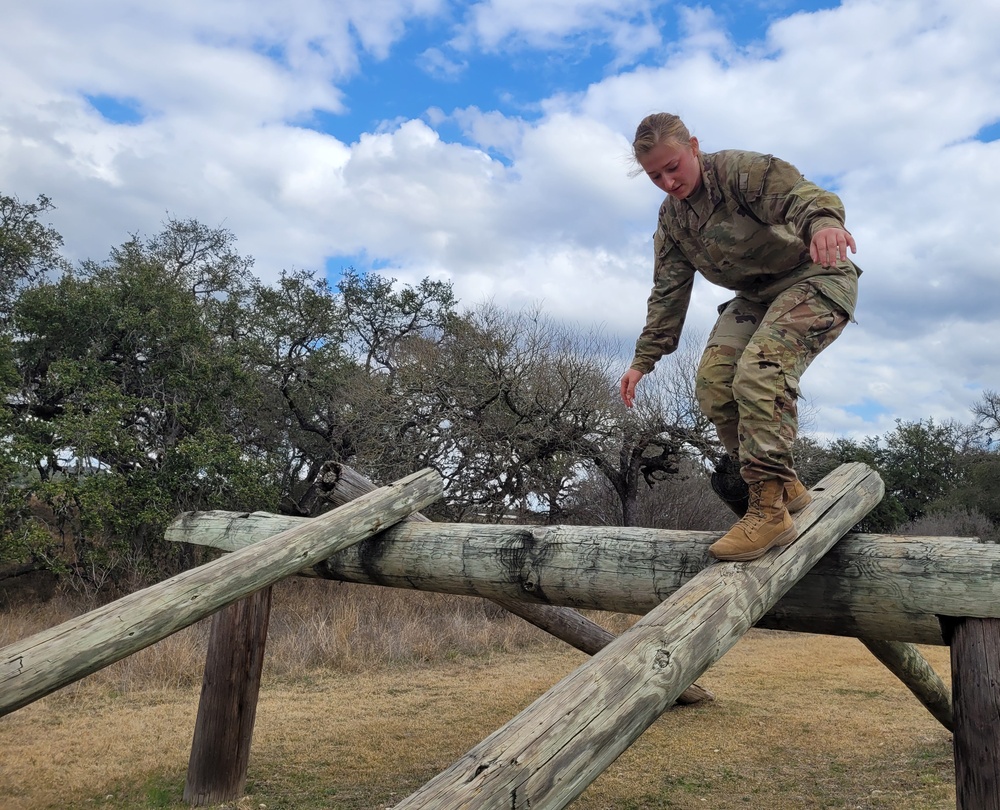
(703, 202)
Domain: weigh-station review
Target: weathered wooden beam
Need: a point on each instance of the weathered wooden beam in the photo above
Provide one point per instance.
(975, 676)
(547, 755)
(868, 586)
(40, 664)
(343, 484)
(906, 663)
(223, 731)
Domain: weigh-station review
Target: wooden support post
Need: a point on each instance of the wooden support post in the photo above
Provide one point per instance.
(345, 484)
(546, 756)
(906, 663)
(220, 751)
(34, 667)
(975, 684)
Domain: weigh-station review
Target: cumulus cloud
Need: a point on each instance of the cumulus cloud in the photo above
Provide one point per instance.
(627, 25)
(880, 100)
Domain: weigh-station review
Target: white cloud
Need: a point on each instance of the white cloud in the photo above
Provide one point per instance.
(878, 97)
(495, 25)
(434, 62)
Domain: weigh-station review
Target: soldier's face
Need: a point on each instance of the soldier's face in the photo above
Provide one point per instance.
(674, 167)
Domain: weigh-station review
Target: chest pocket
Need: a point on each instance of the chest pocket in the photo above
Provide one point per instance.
(735, 233)
(729, 236)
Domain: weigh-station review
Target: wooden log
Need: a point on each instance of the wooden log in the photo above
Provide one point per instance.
(869, 586)
(220, 751)
(547, 755)
(36, 666)
(975, 683)
(343, 484)
(906, 663)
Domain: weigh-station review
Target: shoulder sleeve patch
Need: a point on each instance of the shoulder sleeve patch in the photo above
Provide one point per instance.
(752, 177)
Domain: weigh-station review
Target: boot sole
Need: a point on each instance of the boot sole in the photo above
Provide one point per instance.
(786, 538)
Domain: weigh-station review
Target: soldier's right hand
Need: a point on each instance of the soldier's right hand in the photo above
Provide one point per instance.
(629, 381)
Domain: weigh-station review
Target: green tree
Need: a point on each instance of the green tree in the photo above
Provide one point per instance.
(382, 315)
(28, 249)
(920, 464)
(292, 339)
(979, 459)
(126, 410)
(503, 404)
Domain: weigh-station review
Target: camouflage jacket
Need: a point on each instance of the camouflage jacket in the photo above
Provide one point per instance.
(747, 228)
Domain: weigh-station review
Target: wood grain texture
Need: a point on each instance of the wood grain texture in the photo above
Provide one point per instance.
(975, 679)
(223, 731)
(40, 664)
(343, 484)
(907, 663)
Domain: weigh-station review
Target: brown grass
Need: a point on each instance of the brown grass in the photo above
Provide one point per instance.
(369, 692)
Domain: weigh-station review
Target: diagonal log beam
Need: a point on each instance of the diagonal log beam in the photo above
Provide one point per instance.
(46, 661)
(546, 756)
(906, 663)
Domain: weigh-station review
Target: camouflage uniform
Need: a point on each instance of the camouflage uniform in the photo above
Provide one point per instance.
(747, 228)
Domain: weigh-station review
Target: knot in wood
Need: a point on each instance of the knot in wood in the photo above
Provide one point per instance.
(662, 659)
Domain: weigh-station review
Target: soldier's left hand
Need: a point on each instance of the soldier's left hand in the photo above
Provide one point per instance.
(829, 246)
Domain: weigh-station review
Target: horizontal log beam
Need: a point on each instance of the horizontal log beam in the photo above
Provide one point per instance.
(868, 586)
(46, 661)
(342, 484)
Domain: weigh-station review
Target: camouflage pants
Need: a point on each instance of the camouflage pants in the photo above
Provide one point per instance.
(748, 378)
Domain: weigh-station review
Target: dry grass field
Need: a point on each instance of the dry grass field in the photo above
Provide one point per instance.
(368, 693)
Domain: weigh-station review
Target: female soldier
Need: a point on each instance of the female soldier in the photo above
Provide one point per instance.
(753, 224)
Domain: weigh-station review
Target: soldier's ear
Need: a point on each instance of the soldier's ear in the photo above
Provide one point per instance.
(694, 144)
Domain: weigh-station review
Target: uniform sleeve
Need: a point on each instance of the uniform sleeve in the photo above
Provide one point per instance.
(776, 192)
(666, 308)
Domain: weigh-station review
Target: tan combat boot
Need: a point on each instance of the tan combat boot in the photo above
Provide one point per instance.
(766, 524)
(797, 497)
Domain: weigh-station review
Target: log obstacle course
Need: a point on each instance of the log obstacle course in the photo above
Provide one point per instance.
(889, 592)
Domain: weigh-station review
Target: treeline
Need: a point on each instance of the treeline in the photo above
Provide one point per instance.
(167, 377)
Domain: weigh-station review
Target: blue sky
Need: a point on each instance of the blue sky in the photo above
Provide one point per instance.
(487, 143)
(514, 79)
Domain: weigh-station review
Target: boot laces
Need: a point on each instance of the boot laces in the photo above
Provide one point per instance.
(755, 510)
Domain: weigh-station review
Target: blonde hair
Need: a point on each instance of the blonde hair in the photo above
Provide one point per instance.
(656, 129)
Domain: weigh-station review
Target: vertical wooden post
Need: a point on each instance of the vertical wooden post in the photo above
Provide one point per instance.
(220, 752)
(975, 680)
